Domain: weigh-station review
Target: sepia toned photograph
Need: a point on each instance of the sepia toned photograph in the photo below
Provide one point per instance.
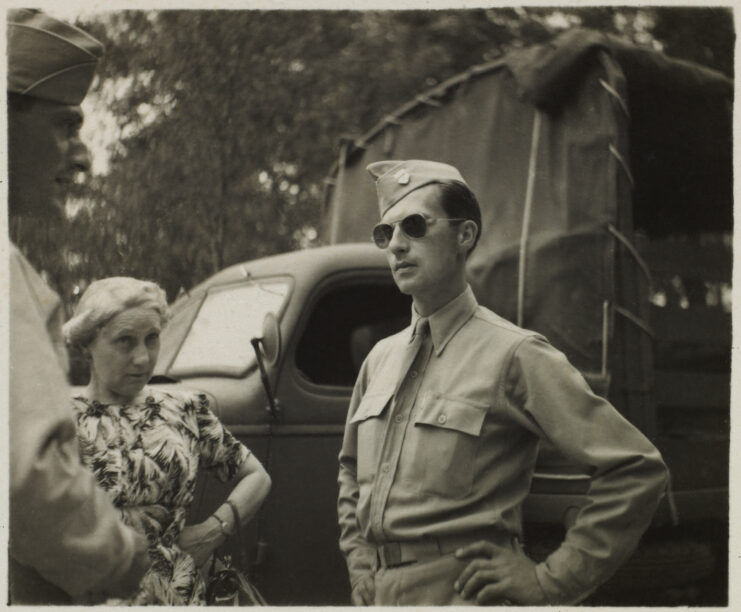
(419, 305)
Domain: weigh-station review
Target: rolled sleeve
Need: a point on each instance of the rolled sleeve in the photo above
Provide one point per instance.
(628, 480)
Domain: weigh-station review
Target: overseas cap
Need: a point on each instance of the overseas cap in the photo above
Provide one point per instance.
(48, 58)
(397, 179)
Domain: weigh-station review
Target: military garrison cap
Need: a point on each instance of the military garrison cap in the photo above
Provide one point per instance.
(397, 179)
(49, 58)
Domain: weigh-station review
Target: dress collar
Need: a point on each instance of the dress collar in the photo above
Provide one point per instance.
(446, 321)
(143, 396)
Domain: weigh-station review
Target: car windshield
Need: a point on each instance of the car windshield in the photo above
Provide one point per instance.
(219, 338)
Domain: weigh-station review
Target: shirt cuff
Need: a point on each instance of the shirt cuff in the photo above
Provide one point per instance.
(558, 592)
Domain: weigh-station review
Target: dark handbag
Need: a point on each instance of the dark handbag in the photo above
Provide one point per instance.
(228, 585)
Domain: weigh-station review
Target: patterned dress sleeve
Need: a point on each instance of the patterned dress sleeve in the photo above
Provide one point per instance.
(218, 448)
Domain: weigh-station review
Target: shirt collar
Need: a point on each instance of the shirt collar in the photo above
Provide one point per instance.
(446, 321)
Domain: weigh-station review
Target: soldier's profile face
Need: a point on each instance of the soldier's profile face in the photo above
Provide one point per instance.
(45, 154)
(423, 267)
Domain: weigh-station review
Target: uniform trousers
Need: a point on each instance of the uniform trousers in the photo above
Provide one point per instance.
(421, 584)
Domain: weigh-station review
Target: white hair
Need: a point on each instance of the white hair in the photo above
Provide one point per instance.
(106, 298)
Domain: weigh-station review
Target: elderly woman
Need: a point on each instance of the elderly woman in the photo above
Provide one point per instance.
(146, 445)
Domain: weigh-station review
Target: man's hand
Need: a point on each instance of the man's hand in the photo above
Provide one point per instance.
(497, 575)
(364, 591)
(126, 584)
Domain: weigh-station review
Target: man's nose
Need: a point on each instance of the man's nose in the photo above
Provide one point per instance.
(80, 155)
(399, 241)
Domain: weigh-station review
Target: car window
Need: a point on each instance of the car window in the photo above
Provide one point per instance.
(182, 313)
(344, 325)
(219, 338)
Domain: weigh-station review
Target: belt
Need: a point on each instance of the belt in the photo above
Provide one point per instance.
(393, 554)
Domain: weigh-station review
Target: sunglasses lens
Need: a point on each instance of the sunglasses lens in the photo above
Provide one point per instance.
(382, 235)
(414, 226)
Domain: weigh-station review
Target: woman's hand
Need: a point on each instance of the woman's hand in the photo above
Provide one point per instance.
(200, 540)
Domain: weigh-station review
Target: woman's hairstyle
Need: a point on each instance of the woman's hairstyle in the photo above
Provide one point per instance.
(106, 298)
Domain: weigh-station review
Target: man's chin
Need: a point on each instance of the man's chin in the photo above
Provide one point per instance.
(405, 286)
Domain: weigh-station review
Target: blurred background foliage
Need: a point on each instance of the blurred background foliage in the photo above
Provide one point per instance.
(224, 124)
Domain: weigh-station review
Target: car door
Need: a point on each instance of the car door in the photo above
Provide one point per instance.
(339, 323)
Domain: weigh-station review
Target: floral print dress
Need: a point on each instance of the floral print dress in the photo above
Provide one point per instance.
(146, 454)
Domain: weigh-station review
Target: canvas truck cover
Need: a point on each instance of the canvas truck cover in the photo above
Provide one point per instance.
(571, 147)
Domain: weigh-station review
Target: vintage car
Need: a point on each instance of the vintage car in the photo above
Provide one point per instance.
(604, 173)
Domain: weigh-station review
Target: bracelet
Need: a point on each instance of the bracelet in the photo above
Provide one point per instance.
(235, 512)
(222, 525)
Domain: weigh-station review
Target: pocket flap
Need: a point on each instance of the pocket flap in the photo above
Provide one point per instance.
(451, 413)
(371, 406)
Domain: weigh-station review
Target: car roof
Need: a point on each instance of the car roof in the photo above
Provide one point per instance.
(302, 264)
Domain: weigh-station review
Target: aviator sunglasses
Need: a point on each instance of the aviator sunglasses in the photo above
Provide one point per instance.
(413, 226)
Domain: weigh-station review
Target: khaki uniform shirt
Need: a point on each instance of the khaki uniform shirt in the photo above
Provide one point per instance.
(453, 448)
(63, 527)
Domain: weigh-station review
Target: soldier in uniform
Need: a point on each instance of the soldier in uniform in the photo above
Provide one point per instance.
(67, 542)
(444, 424)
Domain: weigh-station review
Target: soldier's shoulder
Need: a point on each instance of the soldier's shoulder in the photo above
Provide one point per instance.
(495, 324)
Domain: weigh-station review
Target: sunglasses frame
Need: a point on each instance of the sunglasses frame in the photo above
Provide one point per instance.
(388, 234)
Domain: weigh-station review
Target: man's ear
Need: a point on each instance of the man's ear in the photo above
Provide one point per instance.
(467, 232)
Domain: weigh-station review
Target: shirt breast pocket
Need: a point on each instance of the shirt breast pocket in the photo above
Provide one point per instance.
(443, 444)
(370, 419)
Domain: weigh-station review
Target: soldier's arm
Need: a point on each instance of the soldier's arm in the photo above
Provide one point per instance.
(359, 554)
(61, 523)
(627, 483)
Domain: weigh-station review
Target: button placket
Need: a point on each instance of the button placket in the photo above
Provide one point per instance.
(394, 439)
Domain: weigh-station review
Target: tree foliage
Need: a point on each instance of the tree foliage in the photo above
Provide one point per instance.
(228, 121)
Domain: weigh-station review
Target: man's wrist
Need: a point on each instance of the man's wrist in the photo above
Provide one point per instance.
(540, 578)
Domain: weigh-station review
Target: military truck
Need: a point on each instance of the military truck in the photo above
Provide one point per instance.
(605, 178)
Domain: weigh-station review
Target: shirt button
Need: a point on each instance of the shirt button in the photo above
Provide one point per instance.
(413, 374)
(398, 418)
(385, 468)
(441, 419)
